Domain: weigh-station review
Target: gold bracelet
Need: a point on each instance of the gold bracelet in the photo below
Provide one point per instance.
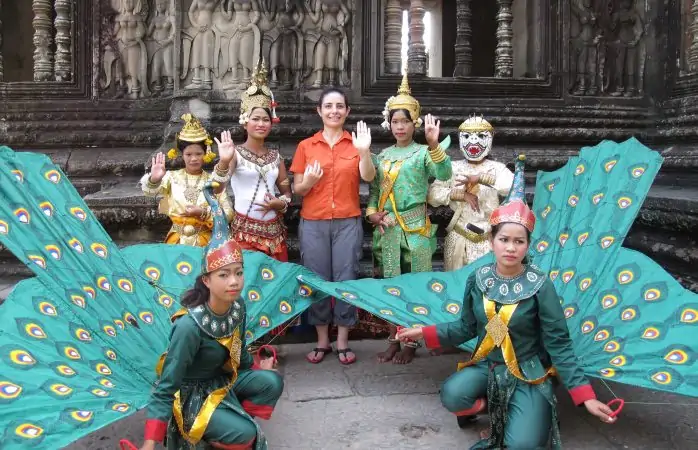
(487, 179)
(220, 172)
(149, 184)
(286, 182)
(370, 210)
(437, 155)
(457, 194)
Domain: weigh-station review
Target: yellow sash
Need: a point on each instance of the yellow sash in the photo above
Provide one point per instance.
(498, 336)
(390, 175)
(233, 344)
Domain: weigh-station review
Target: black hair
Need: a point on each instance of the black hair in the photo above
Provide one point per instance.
(403, 110)
(498, 227)
(267, 110)
(181, 145)
(332, 90)
(197, 295)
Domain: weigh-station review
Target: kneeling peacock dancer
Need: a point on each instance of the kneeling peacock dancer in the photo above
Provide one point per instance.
(81, 341)
(582, 306)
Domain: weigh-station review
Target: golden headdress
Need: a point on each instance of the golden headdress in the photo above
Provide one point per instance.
(257, 95)
(403, 100)
(192, 132)
(476, 123)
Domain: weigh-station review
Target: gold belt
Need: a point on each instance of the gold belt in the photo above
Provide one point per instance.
(470, 235)
(189, 226)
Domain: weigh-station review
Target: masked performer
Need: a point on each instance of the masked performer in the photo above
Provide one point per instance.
(182, 190)
(404, 238)
(473, 194)
(514, 311)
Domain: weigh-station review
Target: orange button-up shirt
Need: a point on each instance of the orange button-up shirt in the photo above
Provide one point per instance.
(336, 194)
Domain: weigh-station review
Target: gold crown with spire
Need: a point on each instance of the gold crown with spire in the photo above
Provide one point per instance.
(403, 100)
(475, 124)
(192, 132)
(257, 95)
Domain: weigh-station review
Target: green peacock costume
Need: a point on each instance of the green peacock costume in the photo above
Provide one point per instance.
(80, 340)
(585, 307)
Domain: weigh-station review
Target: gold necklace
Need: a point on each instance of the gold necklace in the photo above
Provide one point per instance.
(191, 193)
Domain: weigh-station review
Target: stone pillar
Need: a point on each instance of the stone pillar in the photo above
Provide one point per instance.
(416, 53)
(63, 24)
(692, 57)
(504, 54)
(464, 51)
(393, 37)
(43, 40)
(1, 68)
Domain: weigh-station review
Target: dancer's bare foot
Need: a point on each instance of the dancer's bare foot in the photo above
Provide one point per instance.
(389, 354)
(405, 356)
(485, 434)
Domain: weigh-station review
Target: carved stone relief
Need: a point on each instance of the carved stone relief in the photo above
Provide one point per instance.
(43, 40)
(607, 48)
(1, 66)
(305, 43)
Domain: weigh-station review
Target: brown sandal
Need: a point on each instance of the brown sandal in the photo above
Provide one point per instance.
(321, 351)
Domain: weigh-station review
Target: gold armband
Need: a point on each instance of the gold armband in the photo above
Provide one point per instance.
(286, 182)
(487, 179)
(437, 154)
(458, 195)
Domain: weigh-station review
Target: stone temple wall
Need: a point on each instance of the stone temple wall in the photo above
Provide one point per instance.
(100, 86)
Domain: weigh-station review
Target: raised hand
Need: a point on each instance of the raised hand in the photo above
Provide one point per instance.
(226, 148)
(270, 203)
(467, 180)
(313, 173)
(432, 128)
(157, 169)
(362, 137)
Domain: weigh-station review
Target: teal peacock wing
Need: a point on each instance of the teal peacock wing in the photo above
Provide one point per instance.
(588, 213)
(79, 340)
(410, 300)
(272, 294)
(638, 327)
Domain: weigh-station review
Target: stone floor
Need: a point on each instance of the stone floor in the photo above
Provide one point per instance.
(385, 406)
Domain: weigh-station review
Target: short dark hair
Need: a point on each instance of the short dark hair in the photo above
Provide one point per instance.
(181, 145)
(332, 90)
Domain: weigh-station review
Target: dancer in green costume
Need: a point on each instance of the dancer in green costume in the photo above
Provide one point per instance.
(404, 239)
(81, 340)
(513, 310)
(208, 382)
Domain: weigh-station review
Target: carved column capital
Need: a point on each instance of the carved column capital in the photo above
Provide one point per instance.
(43, 40)
(63, 25)
(504, 53)
(416, 53)
(464, 31)
(392, 47)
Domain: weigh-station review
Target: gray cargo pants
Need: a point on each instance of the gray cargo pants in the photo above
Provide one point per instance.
(332, 249)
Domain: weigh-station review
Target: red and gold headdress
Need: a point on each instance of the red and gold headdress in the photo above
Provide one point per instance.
(514, 208)
(221, 250)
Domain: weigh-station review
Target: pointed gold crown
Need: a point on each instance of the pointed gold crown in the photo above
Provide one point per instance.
(404, 100)
(192, 131)
(475, 124)
(257, 94)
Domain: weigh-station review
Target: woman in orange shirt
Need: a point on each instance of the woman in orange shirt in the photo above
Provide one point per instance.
(327, 169)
